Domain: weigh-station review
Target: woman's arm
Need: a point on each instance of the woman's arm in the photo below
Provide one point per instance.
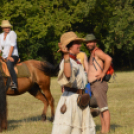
(10, 51)
(67, 66)
(10, 54)
(0, 45)
(13, 38)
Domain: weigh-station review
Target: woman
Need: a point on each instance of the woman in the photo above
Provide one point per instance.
(8, 47)
(82, 57)
(72, 120)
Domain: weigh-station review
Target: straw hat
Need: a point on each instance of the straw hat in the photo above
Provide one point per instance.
(5, 23)
(68, 37)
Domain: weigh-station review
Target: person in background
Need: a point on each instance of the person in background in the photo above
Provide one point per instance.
(99, 87)
(72, 119)
(8, 47)
(82, 57)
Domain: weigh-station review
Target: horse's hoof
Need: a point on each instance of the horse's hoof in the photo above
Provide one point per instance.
(43, 117)
(4, 125)
(52, 119)
(5, 128)
(94, 112)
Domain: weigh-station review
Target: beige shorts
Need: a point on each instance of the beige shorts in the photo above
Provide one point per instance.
(99, 90)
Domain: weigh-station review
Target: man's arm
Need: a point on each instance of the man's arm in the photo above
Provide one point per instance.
(85, 63)
(107, 61)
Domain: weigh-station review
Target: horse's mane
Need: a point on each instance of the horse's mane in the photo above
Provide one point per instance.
(48, 68)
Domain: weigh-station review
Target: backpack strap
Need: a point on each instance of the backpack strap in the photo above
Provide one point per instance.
(93, 59)
(97, 64)
(93, 52)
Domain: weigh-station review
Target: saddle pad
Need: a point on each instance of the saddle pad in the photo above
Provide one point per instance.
(20, 69)
(23, 70)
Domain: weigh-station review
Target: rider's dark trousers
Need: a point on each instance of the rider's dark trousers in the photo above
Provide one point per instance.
(10, 66)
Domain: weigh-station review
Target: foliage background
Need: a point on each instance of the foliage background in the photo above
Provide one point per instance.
(40, 23)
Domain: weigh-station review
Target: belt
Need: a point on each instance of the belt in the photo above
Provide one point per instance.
(74, 90)
(93, 82)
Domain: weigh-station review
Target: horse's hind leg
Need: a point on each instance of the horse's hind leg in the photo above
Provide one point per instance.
(35, 91)
(4, 123)
(46, 90)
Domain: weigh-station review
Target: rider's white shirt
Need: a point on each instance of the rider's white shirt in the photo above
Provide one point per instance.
(11, 40)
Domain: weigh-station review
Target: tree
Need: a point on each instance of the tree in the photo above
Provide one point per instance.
(120, 38)
(40, 23)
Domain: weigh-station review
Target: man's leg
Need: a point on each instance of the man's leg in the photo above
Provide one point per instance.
(105, 121)
(99, 90)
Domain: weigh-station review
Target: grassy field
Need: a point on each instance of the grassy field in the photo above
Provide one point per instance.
(24, 112)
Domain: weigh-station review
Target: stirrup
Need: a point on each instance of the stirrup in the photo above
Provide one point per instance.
(14, 86)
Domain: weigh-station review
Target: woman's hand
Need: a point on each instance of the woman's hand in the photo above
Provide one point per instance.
(10, 59)
(62, 89)
(63, 48)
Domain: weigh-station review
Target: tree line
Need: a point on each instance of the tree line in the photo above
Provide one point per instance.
(40, 23)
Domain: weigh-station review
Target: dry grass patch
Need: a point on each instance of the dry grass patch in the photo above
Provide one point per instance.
(24, 112)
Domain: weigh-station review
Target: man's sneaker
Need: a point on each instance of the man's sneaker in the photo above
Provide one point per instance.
(14, 86)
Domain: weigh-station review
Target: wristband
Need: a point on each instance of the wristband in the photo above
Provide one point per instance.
(66, 60)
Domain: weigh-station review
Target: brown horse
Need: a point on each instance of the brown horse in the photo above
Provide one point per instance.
(38, 84)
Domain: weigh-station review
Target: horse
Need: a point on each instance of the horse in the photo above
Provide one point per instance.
(3, 104)
(38, 85)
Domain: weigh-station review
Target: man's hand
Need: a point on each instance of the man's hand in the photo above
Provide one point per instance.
(101, 76)
(10, 59)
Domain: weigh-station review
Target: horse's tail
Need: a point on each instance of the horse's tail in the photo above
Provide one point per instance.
(3, 104)
(49, 69)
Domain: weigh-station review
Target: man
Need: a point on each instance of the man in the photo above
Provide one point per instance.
(99, 63)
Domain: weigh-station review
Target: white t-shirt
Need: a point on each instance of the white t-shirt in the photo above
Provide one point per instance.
(11, 40)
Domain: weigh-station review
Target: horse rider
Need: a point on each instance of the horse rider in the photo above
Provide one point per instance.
(8, 47)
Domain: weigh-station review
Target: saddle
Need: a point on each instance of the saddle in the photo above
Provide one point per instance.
(21, 69)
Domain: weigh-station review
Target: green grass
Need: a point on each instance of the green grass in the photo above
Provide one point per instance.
(24, 112)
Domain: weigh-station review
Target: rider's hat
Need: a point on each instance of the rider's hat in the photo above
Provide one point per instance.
(5, 23)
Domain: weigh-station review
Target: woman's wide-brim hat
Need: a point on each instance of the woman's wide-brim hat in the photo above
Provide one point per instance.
(5, 23)
(68, 37)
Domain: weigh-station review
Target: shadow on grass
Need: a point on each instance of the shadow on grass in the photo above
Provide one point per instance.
(112, 127)
(12, 124)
